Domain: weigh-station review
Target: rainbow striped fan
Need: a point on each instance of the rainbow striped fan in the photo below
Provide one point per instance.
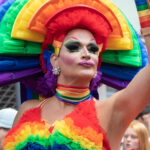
(23, 30)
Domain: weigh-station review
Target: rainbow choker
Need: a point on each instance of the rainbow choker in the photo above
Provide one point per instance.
(72, 94)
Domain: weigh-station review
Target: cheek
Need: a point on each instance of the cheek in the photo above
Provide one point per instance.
(95, 60)
(68, 60)
(136, 141)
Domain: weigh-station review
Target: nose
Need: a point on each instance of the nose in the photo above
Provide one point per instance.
(129, 138)
(85, 53)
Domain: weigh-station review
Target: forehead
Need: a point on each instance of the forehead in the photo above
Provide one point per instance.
(81, 35)
(130, 131)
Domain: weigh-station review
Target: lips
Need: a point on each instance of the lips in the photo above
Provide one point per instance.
(86, 64)
(131, 147)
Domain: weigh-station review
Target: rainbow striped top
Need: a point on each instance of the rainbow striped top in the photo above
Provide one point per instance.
(79, 130)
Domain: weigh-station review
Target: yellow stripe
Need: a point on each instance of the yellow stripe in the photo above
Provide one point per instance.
(144, 12)
(57, 51)
(77, 95)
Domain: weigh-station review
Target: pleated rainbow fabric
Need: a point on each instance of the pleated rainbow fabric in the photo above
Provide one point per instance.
(22, 32)
(131, 58)
(4, 7)
(37, 22)
(114, 82)
(13, 69)
(15, 76)
(2, 1)
(126, 73)
(18, 63)
(11, 46)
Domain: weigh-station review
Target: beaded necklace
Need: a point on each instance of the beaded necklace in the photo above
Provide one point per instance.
(72, 94)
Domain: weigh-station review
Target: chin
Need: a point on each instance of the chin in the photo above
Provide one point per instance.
(86, 75)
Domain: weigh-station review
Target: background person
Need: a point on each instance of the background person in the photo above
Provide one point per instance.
(136, 137)
(144, 117)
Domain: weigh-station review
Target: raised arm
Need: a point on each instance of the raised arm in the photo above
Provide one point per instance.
(123, 107)
(137, 93)
(130, 101)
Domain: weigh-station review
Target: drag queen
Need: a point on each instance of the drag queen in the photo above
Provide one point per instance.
(71, 118)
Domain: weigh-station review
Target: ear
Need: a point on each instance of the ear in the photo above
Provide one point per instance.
(54, 60)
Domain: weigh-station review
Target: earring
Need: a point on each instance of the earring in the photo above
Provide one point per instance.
(56, 71)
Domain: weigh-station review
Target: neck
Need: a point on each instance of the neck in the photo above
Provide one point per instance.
(74, 81)
(72, 94)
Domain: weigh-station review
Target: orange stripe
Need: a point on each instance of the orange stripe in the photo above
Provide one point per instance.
(87, 132)
(144, 18)
(72, 90)
(12, 136)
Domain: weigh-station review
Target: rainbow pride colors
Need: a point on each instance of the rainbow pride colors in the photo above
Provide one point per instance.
(25, 21)
(79, 130)
(143, 12)
(22, 32)
(65, 136)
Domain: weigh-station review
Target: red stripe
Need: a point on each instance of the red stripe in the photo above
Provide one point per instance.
(68, 86)
(145, 24)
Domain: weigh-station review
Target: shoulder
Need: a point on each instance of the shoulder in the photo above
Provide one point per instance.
(24, 107)
(29, 104)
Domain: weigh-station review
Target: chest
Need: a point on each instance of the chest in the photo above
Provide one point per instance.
(78, 129)
(50, 114)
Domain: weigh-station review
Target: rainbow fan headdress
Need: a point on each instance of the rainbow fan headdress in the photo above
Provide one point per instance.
(28, 27)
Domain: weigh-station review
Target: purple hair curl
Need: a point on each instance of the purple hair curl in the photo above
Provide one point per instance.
(95, 83)
(44, 85)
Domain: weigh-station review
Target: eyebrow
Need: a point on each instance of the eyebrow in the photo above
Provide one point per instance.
(92, 40)
(74, 38)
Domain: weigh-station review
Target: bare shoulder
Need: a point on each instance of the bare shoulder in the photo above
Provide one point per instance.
(24, 107)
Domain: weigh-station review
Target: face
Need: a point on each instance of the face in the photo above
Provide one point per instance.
(131, 141)
(78, 55)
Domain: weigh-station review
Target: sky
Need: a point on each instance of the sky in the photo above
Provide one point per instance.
(129, 9)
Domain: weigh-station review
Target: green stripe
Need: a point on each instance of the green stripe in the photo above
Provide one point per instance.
(72, 98)
(59, 138)
(142, 7)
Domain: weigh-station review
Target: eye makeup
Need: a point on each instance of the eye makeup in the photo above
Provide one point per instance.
(92, 48)
(73, 45)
